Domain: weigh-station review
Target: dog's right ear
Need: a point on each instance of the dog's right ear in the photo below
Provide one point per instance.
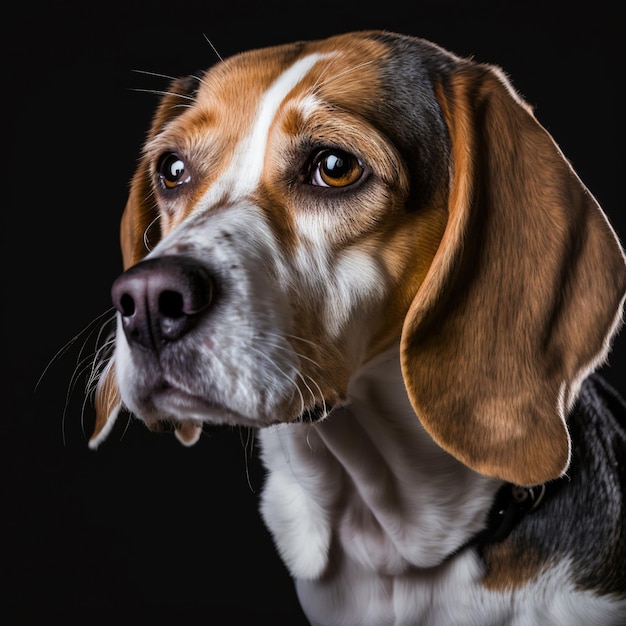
(139, 233)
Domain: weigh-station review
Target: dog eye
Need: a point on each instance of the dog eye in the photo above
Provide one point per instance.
(336, 168)
(171, 171)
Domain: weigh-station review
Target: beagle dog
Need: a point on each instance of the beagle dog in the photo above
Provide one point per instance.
(367, 248)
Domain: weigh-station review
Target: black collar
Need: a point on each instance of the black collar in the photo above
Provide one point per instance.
(511, 504)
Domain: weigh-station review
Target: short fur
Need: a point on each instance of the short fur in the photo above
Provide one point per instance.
(369, 249)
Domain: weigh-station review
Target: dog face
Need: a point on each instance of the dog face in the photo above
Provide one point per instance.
(297, 210)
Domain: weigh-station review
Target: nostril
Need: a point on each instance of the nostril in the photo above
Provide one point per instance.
(127, 305)
(171, 304)
(162, 299)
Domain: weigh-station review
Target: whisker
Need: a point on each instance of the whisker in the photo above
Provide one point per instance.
(98, 363)
(161, 92)
(217, 54)
(180, 106)
(348, 70)
(298, 354)
(155, 74)
(89, 392)
(126, 427)
(286, 377)
(278, 346)
(297, 338)
(301, 377)
(247, 444)
(318, 80)
(146, 239)
(324, 407)
(88, 329)
(165, 76)
(92, 363)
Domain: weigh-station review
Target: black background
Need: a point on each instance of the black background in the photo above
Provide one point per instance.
(145, 528)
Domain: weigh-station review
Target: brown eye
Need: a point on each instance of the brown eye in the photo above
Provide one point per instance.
(336, 168)
(171, 171)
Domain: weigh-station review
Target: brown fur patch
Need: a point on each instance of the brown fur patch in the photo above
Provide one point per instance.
(511, 566)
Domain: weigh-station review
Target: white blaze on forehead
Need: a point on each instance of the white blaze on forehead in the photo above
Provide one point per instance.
(244, 172)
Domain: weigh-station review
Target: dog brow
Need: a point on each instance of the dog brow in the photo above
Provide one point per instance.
(244, 172)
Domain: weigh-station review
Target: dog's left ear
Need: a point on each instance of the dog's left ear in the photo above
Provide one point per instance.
(523, 296)
(138, 221)
(139, 232)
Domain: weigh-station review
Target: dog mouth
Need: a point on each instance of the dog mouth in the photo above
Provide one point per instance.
(168, 408)
(183, 413)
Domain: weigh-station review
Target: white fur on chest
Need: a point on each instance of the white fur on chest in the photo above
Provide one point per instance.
(451, 595)
(366, 509)
(371, 480)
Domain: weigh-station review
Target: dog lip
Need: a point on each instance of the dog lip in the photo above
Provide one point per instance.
(177, 402)
(175, 405)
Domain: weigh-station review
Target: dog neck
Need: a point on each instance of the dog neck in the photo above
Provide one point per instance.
(368, 485)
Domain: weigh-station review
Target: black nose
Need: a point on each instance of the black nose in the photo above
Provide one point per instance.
(161, 299)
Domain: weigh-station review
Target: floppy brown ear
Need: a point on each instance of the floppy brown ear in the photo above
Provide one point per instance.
(139, 232)
(523, 296)
(138, 220)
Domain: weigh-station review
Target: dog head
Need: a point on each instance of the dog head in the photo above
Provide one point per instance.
(299, 209)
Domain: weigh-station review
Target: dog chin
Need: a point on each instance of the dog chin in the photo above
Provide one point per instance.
(166, 408)
(172, 410)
